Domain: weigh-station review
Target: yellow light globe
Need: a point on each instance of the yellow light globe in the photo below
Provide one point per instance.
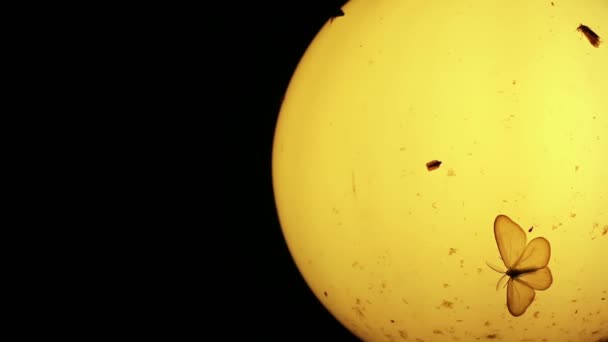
(409, 127)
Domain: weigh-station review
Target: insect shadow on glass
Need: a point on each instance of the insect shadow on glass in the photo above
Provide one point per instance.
(592, 37)
(526, 264)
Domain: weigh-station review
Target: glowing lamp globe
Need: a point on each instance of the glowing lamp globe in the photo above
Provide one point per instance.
(428, 151)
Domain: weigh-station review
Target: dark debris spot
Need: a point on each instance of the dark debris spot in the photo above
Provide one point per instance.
(447, 304)
(403, 334)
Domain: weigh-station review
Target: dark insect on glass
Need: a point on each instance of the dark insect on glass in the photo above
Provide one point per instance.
(432, 165)
(593, 38)
(337, 13)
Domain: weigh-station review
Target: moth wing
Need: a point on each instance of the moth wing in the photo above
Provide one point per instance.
(536, 255)
(510, 238)
(540, 279)
(519, 297)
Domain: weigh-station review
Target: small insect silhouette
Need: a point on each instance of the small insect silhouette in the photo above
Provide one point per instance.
(526, 265)
(335, 8)
(592, 37)
(433, 164)
(337, 13)
(530, 230)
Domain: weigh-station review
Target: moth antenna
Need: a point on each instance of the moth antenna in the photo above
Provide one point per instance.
(499, 281)
(495, 268)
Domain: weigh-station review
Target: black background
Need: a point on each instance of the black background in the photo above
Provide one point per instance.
(275, 300)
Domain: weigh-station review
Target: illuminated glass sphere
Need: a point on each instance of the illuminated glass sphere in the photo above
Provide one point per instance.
(423, 143)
